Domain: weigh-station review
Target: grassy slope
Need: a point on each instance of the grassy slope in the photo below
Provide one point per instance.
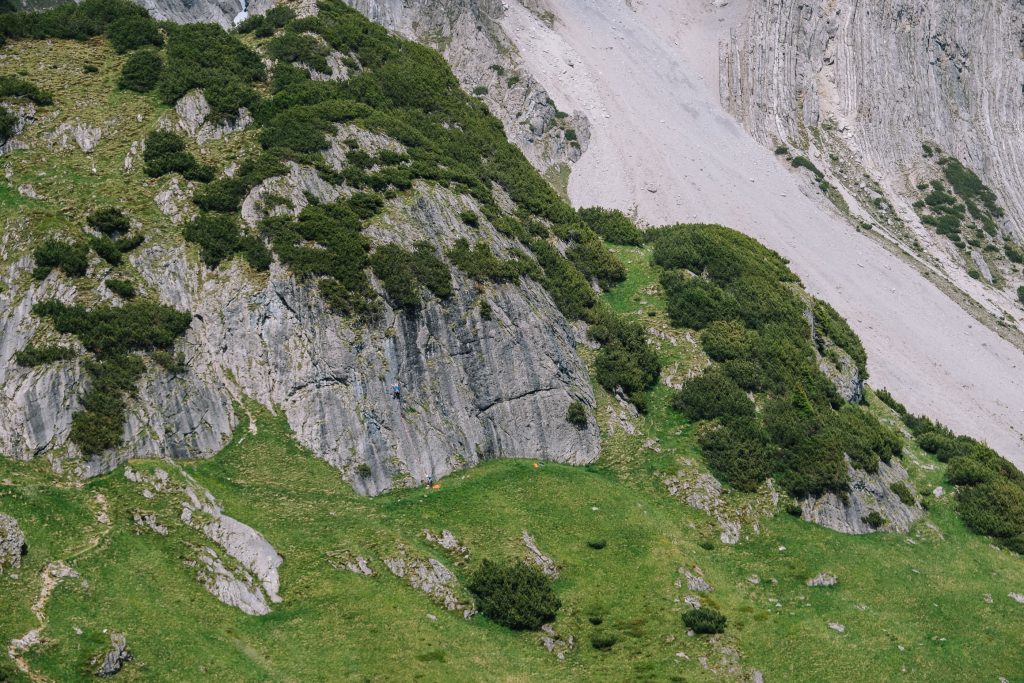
(925, 597)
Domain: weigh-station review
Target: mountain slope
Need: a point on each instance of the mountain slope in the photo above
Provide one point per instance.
(646, 75)
(223, 249)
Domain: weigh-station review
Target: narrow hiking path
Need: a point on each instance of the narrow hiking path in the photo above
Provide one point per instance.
(50, 577)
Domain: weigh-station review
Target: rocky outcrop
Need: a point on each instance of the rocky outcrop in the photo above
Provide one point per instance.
(822, 579)
(241, 571)
(193, 119)
(534, 555)
(115, 657)
(12, 543)
(240, 541)
(429, 576)
(868, 493)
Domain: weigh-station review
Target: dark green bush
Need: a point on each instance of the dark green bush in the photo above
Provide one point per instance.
(100, 423)
(603, 641)
(297, 47)
(123, 288)
(739, 452)
(480, 264)
(204, 56)
(71, 21)
(903, 492)
(612, 225)
(576, 415)
(132, 32)
(994, 508)
(173, 363)
(14, 87)
(219, 237)
(597, 263)
(625, 360)
(969, 471)
(363, 470)
(165, 153)
(110, 221)
(694, 301)
(726, 340)
(72, 259)
(712, 395)
(514, 594)
(469, 218)
(835, 327)
(107, 250)
(325, 242)
(721, 254)
(597, 544)
(804, 162)
(141, 72)
(112, 334)
(705, 620)
(874, 519)
(32, 355)
(391, 265)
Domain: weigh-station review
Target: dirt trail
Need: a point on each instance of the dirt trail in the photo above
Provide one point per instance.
(50, 577)
(646, 74)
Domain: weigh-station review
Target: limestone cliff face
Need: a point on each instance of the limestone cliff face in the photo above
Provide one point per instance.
(858, 87)
(472, 388)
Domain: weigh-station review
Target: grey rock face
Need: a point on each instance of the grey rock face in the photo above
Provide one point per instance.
(885, 79)
(232, 588)
(240, 541)
(115, 657)
(868, 493)
(12, 543)
(429, 576)
(193, 112)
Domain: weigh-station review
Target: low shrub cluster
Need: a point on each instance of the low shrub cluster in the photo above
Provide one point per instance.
(32, 356)
(165, 153)
(110, 221)
(13, 87)
(205, 56)
(325, 243)
(625, 361)
(754, 325)
(514, 594)
(123, 288)
(75, 21)
(114, 335)
(404, 273)
(71, 258)
(220, 237)
(264, 25)
(576, 415)
(612, 225)
(479, 263)
(990, 497)
(141, 71)
(705, 620)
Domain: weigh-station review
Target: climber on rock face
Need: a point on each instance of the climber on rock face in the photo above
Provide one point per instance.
(397, 390)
